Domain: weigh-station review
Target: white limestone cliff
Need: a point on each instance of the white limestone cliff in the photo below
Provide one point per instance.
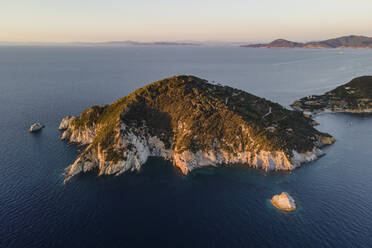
(136, 149)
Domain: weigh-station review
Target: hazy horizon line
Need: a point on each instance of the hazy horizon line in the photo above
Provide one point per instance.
(184, 42)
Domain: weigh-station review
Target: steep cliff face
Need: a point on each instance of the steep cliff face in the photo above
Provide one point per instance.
(353, 97)
(194, 124)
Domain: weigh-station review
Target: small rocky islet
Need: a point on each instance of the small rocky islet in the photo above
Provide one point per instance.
(353, 97)
(194, 124)
(284, 202)
(36, 127)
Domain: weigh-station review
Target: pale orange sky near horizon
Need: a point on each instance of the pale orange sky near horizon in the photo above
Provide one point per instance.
(141, 20)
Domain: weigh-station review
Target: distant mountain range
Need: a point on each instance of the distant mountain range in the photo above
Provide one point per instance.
(351, 41)
(163, 43)
(109, 43)
(138, 43)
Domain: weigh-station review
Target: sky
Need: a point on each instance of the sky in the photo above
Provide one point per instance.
(176, 20)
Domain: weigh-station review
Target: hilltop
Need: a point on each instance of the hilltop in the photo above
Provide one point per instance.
(194, 124)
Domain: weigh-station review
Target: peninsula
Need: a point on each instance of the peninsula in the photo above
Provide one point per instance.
(352, 41)
(353, 97)
(194, 124)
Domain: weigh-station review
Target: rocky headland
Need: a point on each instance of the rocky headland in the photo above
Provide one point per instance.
(194, 124)
(353, 97)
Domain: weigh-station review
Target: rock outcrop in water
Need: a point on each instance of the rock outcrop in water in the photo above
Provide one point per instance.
(194, 124)
(353, 97)
(36, 127)
(283, 202)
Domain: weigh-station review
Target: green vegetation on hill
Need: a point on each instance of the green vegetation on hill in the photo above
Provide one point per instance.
(355, 96)
(360, 87)
(188, 113)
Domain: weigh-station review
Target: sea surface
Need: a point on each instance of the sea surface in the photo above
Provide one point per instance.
(159, 207)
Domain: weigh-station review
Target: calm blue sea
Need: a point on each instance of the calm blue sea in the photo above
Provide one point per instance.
(159, 207)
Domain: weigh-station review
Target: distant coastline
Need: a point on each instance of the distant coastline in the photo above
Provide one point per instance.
(138, 43)
(108, 43)
(345, 42)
